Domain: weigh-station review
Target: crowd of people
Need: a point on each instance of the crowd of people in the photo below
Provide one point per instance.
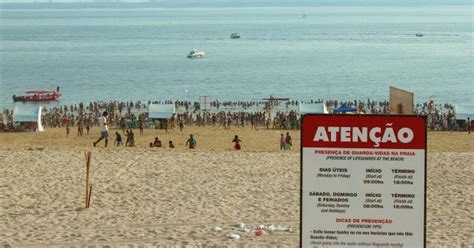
(270, 114)
(285, 142)
(440, 117)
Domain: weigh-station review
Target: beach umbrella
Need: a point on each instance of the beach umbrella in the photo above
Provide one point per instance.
(344, 108)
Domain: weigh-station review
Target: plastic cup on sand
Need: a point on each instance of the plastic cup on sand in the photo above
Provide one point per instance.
(271, 228)
(234, 236)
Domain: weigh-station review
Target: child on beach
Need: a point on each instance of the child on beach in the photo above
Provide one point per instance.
(288, 141)
(237, 141)
(171, 145)
(118, 140)
(191, 142)
(282, 141)
(157, 142)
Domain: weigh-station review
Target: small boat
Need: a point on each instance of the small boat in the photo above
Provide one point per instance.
(196, 54)
(234, 36)
(38, 96)
(419, 35)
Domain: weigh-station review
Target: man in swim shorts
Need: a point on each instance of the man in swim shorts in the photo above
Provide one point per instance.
(104, 130)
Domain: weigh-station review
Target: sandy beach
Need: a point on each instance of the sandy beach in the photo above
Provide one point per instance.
(208, 139)
(240, 79)
(146, 196)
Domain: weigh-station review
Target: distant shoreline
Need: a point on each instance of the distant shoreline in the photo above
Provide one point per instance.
(220, 4)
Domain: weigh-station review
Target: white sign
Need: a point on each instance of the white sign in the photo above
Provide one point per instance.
(363, 181)
(205, 102)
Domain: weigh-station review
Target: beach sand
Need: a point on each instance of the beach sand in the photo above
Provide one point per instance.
(208, 138)
(144, 196)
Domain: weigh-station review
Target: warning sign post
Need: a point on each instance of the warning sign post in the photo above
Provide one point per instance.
(363, 181)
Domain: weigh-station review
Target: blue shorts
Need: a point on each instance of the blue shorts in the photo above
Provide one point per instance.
(104, 134)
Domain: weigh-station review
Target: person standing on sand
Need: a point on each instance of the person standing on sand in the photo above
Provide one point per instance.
(191, 142)
(237, 141)
(88, 127)
(127, 141)
(131, 138)
(181, 125)
(288, 141)
(140, 126)
(165, 125)
(68, 130)
(468, 125)
(80, 128)
(118, 140)
(123, 124)
(171, 145)
(282, 141)
(229, 121)
(104, 130)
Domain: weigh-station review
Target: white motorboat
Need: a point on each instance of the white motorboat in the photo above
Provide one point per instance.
(196, 54)
(234, 36)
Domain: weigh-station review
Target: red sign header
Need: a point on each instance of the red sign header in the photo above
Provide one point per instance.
(364, 131)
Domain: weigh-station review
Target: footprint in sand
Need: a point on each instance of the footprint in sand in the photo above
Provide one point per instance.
(115, 188)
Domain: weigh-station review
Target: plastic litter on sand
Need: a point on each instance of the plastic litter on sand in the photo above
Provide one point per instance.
(234, 236)
(257, 231)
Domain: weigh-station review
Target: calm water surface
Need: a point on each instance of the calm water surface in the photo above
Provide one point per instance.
(340, 53)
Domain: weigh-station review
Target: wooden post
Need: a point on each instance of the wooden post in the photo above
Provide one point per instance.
(88, 163)
(89, 199)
